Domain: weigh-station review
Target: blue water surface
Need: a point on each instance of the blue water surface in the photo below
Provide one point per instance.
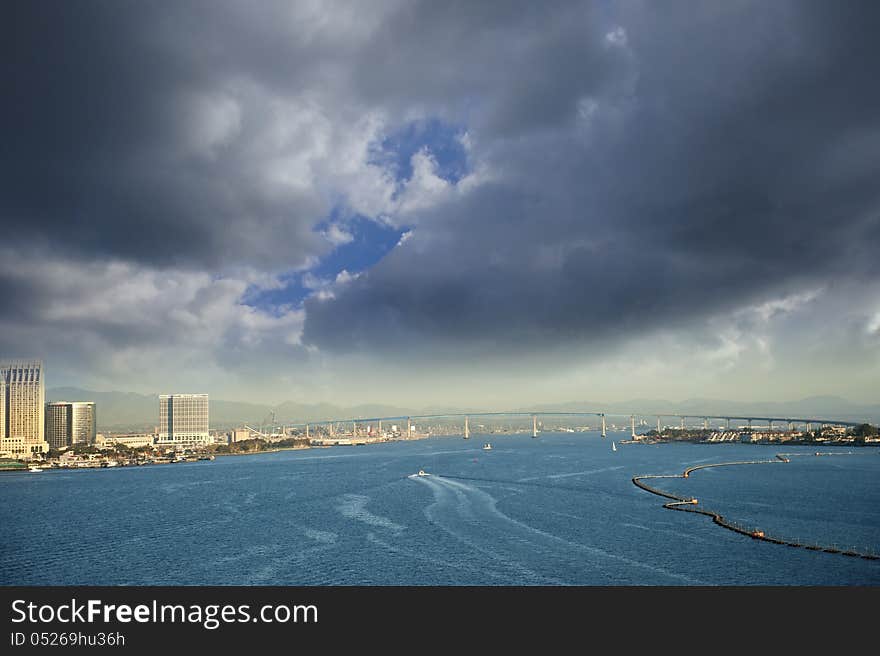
(557, 510)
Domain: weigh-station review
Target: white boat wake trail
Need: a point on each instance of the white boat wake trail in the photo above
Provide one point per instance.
(466, 513)
(354, 506)
(589, 472)
(471, 516)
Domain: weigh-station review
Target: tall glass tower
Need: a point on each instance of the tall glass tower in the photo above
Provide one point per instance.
(70, 422)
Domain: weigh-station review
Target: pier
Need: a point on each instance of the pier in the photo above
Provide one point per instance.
(689, 504)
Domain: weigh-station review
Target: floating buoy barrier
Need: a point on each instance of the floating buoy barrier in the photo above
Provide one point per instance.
(688, 504)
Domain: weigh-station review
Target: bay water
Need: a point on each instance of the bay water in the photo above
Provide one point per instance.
(557, 510)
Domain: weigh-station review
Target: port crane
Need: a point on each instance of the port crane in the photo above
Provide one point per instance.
(269, 421)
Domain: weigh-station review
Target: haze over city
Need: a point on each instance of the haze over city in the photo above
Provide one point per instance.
(473, 204)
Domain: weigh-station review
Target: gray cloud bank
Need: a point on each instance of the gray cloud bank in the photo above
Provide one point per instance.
(635, 168)
(729, 151)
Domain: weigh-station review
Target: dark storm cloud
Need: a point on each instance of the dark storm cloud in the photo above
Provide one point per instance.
(635, 165)
(505, 67)
(101, 99)
(735, 157)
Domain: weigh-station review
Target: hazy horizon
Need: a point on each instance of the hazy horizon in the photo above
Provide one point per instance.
(117, 408)
(441, 403)
(463, 204)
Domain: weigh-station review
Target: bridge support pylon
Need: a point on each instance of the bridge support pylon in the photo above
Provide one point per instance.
(534, 425)
(467, 430)
(603, 424)
(632, 426)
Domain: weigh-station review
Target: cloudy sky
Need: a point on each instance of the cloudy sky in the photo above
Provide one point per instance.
(456, 202)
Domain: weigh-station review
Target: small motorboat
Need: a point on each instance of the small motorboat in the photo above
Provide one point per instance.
(35, 469)
(487, 447)
(422, 473)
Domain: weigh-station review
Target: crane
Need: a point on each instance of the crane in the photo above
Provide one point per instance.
(270, 419)
(257, 432)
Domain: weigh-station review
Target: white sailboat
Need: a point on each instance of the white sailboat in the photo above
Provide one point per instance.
(613, 446)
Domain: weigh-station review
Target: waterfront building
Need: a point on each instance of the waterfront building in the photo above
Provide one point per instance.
(239, 435)
(183, 420)
(58, 423)
(22, 395)
(70, 422)
(131, 440)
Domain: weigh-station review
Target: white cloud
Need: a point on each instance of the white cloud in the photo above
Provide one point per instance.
(344, 277)
(337, 236)
(118, 322)
(425, 187)
(769, 309)
(616, 37)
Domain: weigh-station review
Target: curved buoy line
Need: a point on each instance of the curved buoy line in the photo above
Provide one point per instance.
(689, 504)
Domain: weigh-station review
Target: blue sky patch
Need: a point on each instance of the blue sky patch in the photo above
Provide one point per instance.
(441, 139)
(371, 242)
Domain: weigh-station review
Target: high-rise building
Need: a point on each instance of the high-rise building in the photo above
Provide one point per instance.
(183, 419)
(58, 421)
(22, 394)
(70, 422)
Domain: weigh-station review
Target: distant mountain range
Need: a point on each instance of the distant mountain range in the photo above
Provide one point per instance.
(820, 407)
(127, 410)
(130, 411)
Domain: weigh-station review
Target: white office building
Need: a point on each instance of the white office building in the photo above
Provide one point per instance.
(183, 420)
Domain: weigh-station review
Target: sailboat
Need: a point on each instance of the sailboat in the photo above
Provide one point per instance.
(613, 446)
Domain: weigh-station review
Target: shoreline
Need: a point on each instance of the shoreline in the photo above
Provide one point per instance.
(23, 466)
(256, 453)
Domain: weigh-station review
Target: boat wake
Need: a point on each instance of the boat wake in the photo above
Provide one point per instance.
(471, 515)
(589, 472)
(354, 506)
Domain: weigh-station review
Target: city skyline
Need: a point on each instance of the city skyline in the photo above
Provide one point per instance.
(441, 204)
